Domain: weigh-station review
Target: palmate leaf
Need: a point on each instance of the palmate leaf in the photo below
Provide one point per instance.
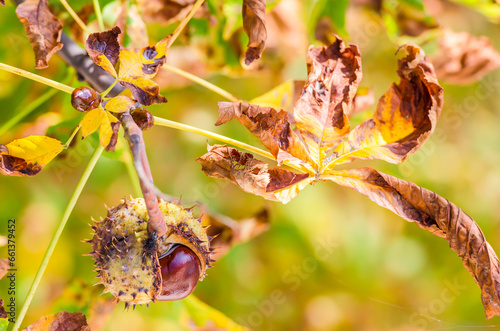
(107, 124)
(28, 156)
(137, 67)
(405, 117)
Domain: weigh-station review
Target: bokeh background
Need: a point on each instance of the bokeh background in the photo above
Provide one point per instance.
(332, 259)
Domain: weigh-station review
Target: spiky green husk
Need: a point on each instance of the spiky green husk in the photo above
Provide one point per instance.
(126, 256)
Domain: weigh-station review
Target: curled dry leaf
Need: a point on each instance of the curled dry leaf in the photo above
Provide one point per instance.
(405, 117)
(42, 28)
(165, 11)
(463, 58)
(250, 174)
(61, 321)
(254, 24)
(28, 156)
(104, 48)
(228, 232)
(437, 215)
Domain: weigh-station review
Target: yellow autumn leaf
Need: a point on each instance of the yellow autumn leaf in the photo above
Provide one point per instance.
(91, 121)
(103, 62)
(282, 96)
(107, 128)
(27, 156)
(130, 64)
(119, 104)
(104, 121)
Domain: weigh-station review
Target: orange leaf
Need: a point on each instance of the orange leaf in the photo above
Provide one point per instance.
(28, 156)
(437, 215)
(406, 115)
(42, 28)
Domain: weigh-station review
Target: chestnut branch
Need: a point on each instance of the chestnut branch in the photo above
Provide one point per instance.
(77, 57)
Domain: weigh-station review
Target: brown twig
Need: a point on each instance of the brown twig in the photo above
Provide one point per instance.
(136, 143)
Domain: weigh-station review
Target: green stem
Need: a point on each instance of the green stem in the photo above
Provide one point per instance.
(103, 94)
(184, 22)
(98, 13)
(35, 77)
(184, 127)
(76, 194)
(66, 145)
(27, 110)
(202, 82)
(75, 16)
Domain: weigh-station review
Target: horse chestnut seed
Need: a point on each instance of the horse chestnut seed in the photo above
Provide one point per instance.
(136, 266)
(180, 271)
(143, 118)
(85, 98)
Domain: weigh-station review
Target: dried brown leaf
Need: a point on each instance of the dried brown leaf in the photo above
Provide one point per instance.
(463, 58)
(250, 174)
(228, 232)
(254, 24)
(437, 215)
(165, 11)
(406, 115)
(271, 126)
(62, 321)
(321, 111)
(104, 49)
(42, 28)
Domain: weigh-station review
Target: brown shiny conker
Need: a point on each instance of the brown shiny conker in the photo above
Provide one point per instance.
(143, 118)
(85, 99)
(180, 271)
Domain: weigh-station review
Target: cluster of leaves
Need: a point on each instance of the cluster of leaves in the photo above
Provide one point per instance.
(316, 137)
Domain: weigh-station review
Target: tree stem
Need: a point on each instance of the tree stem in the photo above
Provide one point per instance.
(98, 13)
(27, 110)
(75, 16)
(202, 82)
(35, 77)
(184, 127)
(184, 22)
(66, 145)
(103, 94)
(76, 194)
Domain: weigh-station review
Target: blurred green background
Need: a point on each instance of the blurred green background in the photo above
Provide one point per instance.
(332, 259)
